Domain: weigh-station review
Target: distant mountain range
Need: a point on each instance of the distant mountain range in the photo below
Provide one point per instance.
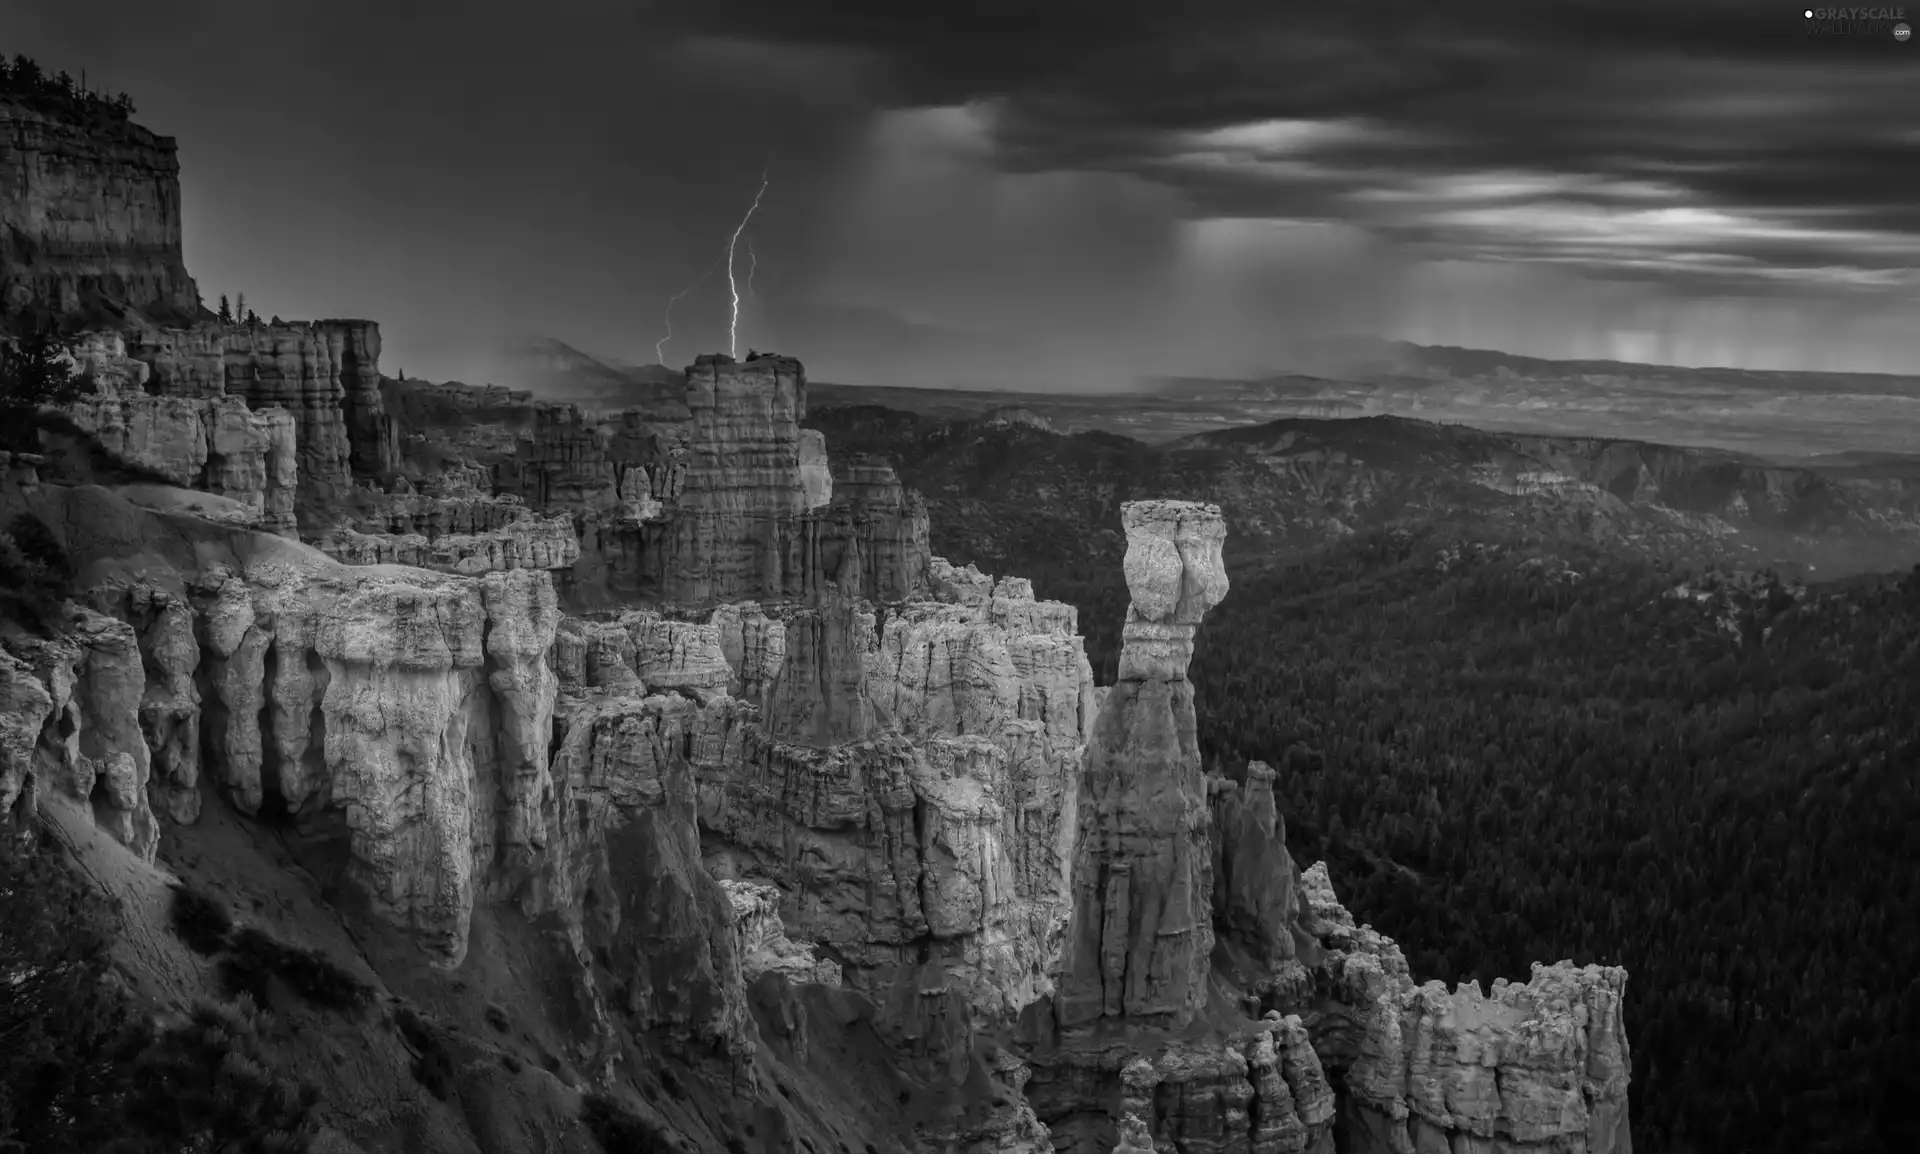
(1780, 416)
(1867, 422)
(555, 369)
(1295, 485)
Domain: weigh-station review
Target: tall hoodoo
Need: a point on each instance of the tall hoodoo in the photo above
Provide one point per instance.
(1142, 934)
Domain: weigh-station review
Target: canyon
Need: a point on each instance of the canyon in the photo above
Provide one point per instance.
(666, 728)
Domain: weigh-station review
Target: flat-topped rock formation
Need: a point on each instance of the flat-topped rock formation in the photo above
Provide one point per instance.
(90, 219)
(735, 502)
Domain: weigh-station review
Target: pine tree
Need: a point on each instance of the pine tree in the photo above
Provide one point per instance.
(34, 371)
(226, 310)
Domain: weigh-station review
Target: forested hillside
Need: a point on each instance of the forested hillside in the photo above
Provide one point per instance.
(1517, 748)
(1508, 762)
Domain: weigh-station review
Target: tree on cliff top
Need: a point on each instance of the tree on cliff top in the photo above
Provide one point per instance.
(23, 76)
(35, 369)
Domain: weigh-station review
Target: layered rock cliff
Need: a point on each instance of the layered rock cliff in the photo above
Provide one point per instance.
(90, 218)
(216, 443)
(278, 416)
(737, 501)
(324, 373)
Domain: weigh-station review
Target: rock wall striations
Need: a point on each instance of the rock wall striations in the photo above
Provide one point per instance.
(325, 373)
(216, 444)
(90, 219)
(734, 502)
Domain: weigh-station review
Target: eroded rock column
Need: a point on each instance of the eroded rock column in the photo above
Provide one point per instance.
(1141, 933)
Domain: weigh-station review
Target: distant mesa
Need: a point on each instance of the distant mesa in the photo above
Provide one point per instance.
(1016, 415)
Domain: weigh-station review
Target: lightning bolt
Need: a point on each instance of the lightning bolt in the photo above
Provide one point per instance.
(659, 346)
(753, 265)
(733, 323)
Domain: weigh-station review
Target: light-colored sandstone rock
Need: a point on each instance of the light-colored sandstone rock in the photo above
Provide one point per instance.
(1540, 1066)
(763, 942)
(324, 373)
(1142, 931)
(678, 654)
(816, 476)
(913, 792)
(216, 444)
(528, 542)
(25, 706)
(963, 586)
(754, 646)
(80, 732)
(169, 709)
(1135, 1138)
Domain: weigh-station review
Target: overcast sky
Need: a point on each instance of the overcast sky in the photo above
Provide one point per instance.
(1060, 193)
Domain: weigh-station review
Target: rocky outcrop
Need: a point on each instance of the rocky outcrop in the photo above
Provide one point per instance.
(734, 502)
(764, 945)
(216, 444)
(73, 725)
(616, 853)
(1256, 901)
(734, 525)
(528, 542)
(91, 216)
(416, 705)
(1537, 1067)
(1142, 936)
(816, 475)
(911, 792)
(325, 373)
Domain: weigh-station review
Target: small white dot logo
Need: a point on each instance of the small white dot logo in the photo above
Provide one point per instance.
(1901, 32)
(1809, 13)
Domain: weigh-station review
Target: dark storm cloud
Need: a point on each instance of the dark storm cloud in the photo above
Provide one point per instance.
(1705, 142)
